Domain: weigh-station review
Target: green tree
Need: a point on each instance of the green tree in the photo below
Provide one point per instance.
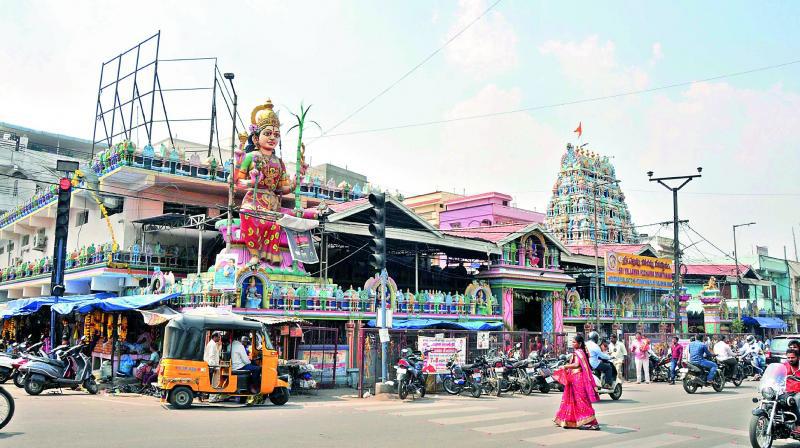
(737, 326)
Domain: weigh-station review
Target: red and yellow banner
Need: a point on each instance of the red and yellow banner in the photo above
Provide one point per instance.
(637, 271)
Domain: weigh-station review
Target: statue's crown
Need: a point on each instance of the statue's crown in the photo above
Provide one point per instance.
(264, 115)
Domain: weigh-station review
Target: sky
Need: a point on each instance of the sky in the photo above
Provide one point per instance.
(337, 56)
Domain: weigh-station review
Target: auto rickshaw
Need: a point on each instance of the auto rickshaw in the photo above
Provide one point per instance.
(184, 374)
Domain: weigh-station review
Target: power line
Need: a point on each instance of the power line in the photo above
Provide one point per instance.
(564, 103)
(409, 72)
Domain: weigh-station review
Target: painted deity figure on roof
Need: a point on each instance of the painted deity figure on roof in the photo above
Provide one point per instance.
(263, 174)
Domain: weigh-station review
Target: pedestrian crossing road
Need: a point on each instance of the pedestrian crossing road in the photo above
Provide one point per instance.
(647, 416)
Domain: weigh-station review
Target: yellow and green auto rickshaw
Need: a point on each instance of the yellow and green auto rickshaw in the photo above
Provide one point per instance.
(185, 374)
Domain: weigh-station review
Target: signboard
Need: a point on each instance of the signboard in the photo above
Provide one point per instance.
(441, 349)
(383, 334)
(636, 271)
(483, 340)
(322, 358)
(301, 246)
(225, 273)
(569, 329)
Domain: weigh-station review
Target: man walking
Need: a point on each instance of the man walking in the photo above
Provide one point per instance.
(640, 349)
(676, 354)
(697, 356)
(618, 353)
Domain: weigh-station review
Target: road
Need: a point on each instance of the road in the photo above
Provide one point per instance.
(647, 416)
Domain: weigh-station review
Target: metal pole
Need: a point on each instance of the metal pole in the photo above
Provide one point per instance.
(677, 255)
(384, 344)
(738, 278)
(794, 240)
(596, 260)
(416, 270)
(213, 114)
(200, 246)
(230, 174)
(788, 280)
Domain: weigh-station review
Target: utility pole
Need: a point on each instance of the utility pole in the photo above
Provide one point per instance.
(231, 180)
(788, 282)
(676, 251)
(794, 240)
(738, 274)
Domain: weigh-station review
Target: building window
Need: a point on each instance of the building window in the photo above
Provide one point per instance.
(113, 204)
(183, 209)
(455, 225)
(81, 218)
(25, 240)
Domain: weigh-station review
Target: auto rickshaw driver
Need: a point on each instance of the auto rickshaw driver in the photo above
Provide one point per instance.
(240, 360)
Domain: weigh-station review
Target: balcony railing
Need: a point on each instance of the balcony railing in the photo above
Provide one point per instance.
(612, 312)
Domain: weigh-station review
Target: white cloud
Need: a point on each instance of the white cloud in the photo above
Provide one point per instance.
(593, 66)
(488, 47)
(657, 54)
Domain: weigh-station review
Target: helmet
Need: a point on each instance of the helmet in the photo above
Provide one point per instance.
(751, 338)
(405, 352)
(594, 336)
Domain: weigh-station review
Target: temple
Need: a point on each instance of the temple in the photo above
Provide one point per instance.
(587, 181)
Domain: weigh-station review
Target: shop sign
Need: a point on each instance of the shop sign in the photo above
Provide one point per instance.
(322, 358)
(636, 271)
(440, 350)
(570, 329)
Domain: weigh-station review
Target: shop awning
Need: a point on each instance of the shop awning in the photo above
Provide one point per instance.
(116, 304)
(22, 307)
(418, 324)
(160, 315)
(765, 322)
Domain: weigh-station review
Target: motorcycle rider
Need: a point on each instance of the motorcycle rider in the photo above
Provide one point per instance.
(726, 356)
(793, 385)
(608, 376)
(752, 348)
(697, 356)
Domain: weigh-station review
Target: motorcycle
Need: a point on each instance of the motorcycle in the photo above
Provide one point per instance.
(615, 391)
(72, 369)
(539, 373)
(659, 368)
(467, 376)
(775, 417)
(737, 376)
(511, 374)
(554, 364)
(411, 374)
(6, 407)
(696, 377)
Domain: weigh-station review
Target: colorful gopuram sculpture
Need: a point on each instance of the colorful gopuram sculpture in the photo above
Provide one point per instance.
(586, 178)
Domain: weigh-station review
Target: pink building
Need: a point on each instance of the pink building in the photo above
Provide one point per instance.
(485, 209)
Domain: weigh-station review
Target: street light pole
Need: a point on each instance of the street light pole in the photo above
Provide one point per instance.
(738, 274)
(676, 251)
(231, 180)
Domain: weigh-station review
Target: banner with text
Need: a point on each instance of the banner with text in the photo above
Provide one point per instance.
(440, 350)
(636, 271)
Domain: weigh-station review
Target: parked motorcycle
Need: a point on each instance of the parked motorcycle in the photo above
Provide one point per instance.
(72, 369)
(6, 407)
(775, 417)
(539, 373)
(411, 374)
(461, 377)
(554, 364)
(696, 377)
(659, 368)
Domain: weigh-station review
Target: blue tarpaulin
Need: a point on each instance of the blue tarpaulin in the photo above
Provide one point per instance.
(115, 304)
(417, 324)
(765, 322)
(22, 307)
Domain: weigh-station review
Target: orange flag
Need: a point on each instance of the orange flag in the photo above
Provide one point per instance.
(579, 130)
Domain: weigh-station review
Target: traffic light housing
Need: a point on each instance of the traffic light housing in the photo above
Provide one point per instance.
(377, 231)
(60, 240)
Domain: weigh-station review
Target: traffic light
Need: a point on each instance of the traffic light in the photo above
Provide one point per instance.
(60, 240)
(377, 229)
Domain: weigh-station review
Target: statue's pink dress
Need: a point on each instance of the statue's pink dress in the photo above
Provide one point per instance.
(576, 402)
(260, 232)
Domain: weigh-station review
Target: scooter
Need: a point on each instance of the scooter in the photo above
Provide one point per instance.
(34, 352)
(6, 368)
(72, 369)
(615, 391)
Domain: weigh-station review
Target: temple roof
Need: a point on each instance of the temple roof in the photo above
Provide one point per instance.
(715, 269)
(602, 249)
(489, 233)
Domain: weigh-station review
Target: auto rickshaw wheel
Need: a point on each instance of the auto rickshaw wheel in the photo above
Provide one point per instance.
(181, 397)
(279, 396)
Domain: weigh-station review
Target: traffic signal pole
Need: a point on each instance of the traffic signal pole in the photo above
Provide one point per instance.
(377, 260)
(59, 250)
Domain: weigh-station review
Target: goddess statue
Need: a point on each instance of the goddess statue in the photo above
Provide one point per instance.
(264, 176)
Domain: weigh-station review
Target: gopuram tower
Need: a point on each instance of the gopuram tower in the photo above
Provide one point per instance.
(586, 179)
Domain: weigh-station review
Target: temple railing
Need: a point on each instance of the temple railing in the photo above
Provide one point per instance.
(333, 304)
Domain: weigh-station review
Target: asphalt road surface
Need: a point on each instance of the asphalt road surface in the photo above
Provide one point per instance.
(647, 416)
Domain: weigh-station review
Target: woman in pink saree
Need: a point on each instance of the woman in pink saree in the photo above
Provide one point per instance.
(576, 409)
